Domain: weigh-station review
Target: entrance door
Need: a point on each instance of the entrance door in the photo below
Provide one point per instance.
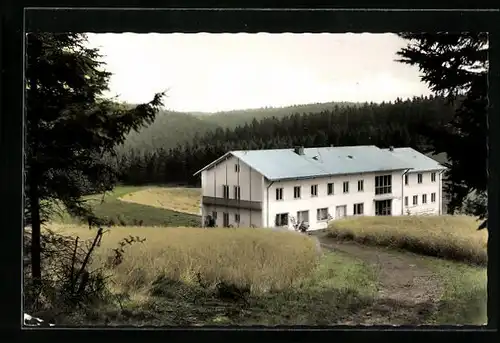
(340, 211)
(225, 219)
(383, 207)
(303, 216)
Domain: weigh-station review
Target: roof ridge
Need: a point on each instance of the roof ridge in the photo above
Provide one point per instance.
(284, 163)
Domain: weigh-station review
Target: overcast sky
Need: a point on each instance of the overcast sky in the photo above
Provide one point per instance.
(217, 72)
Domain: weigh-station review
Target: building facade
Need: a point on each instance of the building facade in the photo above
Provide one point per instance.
(269, 188)
(232, 193)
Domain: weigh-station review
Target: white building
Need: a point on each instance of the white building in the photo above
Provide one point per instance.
(266, 188)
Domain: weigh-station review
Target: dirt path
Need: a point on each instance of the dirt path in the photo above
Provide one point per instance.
(408, 291)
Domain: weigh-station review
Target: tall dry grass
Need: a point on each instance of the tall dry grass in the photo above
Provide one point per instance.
(451, 237)
(264, 259)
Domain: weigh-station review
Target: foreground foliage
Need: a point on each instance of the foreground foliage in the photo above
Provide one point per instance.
(266, 260)
(182, 276)
(455, 65)
(465, 295)
(193, 276)
(70, 127)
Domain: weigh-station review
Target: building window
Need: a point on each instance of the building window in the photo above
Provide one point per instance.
(361, 186)
(330, 189)
(236, 217)
(340, 211)
(433, 197)
(322, 214)
(383, 184)
(406, 201)
(225, 219)
(303, 216)
(225, 191)
(236, 168)
(419, 178)
(415, 200)
(424, 198)
(346, 186)
(237, 192)
(281, 219)
(358, 209)
(314, 190)
(383, 208)
(406, 179)
(214, 215)
(279, 193)
(296, 192)
(433, 177)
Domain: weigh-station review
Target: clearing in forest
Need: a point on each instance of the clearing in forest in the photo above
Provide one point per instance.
(185, 200)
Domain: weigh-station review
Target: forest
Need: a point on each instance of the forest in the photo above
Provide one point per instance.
(165, 153)
(182, 127)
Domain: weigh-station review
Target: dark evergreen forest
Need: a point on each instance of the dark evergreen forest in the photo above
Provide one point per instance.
(399, 123)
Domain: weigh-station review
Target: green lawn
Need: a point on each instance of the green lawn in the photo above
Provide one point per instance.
(465, 296)
(127, 213)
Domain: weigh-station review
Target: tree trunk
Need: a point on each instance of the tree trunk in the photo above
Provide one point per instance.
(33, 195)
(36, 270)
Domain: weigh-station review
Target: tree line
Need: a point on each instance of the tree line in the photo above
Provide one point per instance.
(399, 123)
(171, 128)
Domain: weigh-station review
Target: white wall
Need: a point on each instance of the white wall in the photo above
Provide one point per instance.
(247, 217)
(323, 200)
(224, 173)
(426, 187)
(254, 187)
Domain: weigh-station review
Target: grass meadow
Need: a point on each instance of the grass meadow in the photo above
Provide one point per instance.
(449, 237)
(464, 298)
(290, 281)
(459, 254)
(171, 278)
(116, 208)
(183, 200)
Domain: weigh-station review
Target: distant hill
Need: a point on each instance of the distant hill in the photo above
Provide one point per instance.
(171, 128)
(231, 119)
(168, 129)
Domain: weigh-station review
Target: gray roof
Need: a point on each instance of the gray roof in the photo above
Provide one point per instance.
(416, 160)
(280, 164)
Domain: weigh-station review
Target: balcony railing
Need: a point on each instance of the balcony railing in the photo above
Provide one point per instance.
(235, 203)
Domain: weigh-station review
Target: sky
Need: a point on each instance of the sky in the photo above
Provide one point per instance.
(205, 72)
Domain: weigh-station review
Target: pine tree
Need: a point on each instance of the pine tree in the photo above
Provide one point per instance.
(70, 129)
(455, 66)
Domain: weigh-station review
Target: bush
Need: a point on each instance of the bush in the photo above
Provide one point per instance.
(71, 281)
(476, 204)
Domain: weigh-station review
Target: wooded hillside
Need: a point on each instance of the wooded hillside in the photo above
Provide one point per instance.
(402, 123)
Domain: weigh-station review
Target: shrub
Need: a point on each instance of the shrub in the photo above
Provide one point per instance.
(71, 280)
